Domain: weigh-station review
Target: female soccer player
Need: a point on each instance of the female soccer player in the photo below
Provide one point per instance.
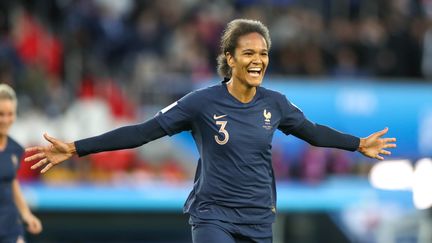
(232, 123)
(13, 207)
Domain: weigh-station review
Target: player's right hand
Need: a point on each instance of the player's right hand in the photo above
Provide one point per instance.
(46, 157)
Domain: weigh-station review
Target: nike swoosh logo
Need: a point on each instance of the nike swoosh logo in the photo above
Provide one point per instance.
(218, 117)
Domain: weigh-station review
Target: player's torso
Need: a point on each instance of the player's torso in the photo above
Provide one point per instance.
(234, 138)
(10, 222)
(9, 163)
(243, 126)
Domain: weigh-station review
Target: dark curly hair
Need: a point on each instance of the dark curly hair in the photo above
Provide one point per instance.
(234, 30)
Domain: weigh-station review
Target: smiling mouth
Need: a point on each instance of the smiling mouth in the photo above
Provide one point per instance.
(254, 72)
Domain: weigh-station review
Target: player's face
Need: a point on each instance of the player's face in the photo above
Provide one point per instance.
(7, 115)
(250, 60)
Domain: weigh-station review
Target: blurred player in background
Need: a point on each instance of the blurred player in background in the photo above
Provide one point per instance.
(13, 207)
(232, 123)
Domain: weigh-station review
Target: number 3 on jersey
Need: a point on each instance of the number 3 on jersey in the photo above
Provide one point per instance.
(224, 133)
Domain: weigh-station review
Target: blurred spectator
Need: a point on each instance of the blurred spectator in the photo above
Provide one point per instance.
(145, 47)
(313, 165)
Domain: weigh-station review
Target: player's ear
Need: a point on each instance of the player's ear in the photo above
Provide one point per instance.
(230, 59)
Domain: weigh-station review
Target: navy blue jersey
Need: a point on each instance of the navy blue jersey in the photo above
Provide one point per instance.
(234, 180)
(10, 157)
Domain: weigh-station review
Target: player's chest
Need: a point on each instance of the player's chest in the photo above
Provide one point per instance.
(237, 125)
(8, 165)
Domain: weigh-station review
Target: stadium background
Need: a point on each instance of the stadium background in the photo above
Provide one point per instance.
(82, 67)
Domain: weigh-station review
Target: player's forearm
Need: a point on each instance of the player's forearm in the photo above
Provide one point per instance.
(121, 138)
(19, 199)
(323, 136)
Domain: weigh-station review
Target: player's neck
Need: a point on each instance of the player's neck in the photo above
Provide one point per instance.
(3, 141)
(241, 92)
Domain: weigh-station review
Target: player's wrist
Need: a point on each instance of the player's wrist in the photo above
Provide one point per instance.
(25, 214)
(71, 148)
(361, 146)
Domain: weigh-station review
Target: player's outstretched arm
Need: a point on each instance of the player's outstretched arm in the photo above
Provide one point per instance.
(53, 154)
(374, 145)
(121, 138)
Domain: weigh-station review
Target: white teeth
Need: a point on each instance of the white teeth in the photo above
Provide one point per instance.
(254, 74)
(255, 69)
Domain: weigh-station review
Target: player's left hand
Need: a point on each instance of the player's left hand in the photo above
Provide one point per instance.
(374, 145)
(34, 225)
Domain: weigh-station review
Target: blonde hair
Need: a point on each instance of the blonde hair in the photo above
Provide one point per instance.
(7, 93)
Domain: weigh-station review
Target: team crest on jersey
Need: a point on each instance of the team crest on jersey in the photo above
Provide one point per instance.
(14, 160)
(267, 122)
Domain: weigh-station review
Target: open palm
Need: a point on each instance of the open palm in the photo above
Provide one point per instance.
(51, 155)
(374, 145)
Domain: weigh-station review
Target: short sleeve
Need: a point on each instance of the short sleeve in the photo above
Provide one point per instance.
(179, 116)
(292, 116)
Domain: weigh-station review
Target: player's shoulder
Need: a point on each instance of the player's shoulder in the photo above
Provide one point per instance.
(205, 93)
(271, 94)
(276, 98)
(14, 145)
(210, 89)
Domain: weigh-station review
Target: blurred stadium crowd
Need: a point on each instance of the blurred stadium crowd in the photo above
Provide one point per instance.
(121, 61)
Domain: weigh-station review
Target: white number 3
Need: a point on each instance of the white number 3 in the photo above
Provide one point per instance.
(223, 131)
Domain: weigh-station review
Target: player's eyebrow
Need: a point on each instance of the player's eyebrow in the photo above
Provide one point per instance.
(253, 50)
